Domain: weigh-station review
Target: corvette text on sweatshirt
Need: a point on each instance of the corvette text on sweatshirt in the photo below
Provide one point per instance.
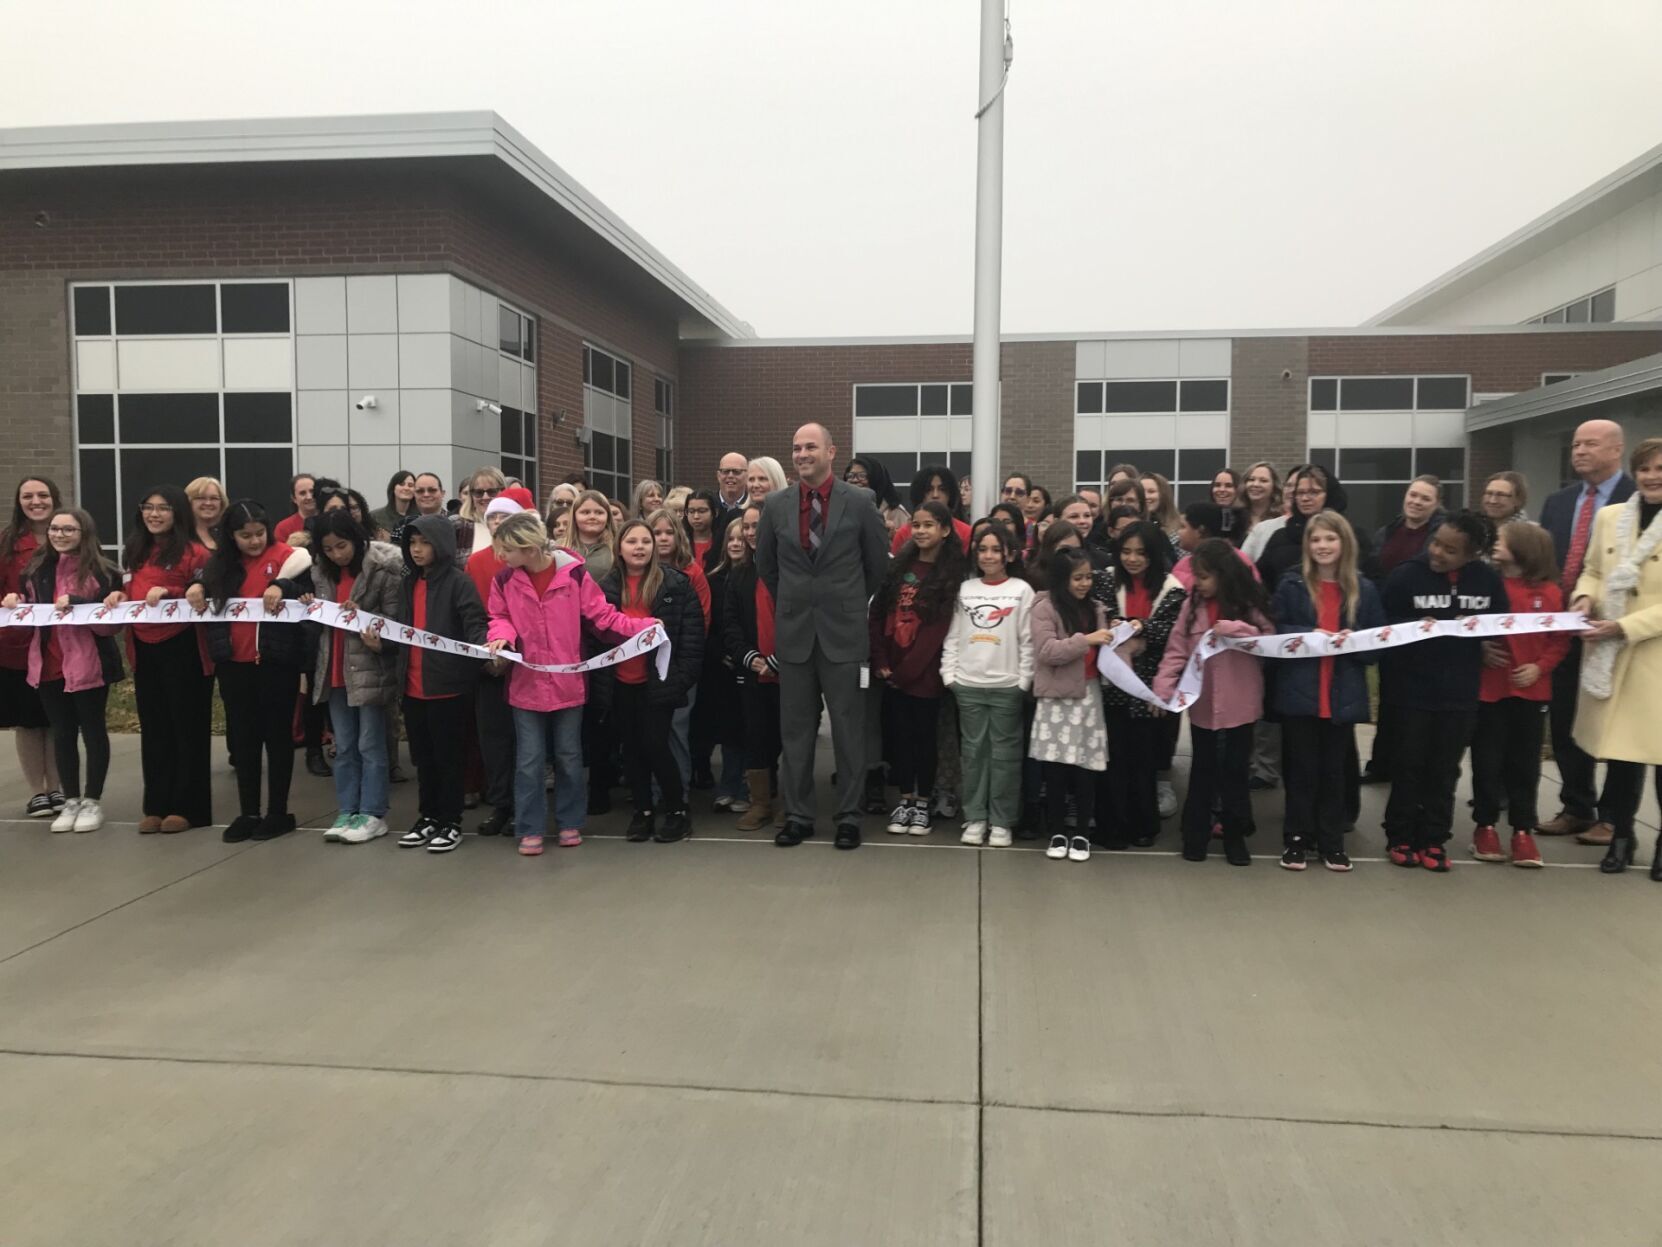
(990, 644)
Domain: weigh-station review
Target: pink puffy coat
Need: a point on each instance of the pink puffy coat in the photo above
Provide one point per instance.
(1232, 692)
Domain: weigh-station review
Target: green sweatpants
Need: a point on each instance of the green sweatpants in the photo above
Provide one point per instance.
(989, 722)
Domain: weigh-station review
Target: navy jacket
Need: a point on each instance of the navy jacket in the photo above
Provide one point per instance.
(1297, 688)
(453, 610)
(1443, 673)
(1558, 512)
(677, 608)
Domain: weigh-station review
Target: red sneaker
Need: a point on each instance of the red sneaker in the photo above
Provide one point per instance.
(1404, 855)
(1524, 852)
(1435, 858)
(1486, 845)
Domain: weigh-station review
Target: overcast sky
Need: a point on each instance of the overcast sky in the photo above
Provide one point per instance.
(1227, 164)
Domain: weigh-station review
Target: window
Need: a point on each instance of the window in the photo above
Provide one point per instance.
(1176, 427)
(663, 406)
(515, 332)
(1553, 378)
(608, 422)
(192, 405)
(517, 432)
(519, 445)
(1598, 308)
(909, 426)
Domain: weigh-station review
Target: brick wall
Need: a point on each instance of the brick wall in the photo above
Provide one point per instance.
(1036, 436)
(392, 217)
(1268, 400)
(1497, 362)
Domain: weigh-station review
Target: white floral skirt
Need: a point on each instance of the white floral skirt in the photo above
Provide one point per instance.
(1071, 730)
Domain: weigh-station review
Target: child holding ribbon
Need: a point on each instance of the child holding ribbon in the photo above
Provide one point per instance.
(1227, 599)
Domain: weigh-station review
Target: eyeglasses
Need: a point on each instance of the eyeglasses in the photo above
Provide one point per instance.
(60, 530)
(1308, 493)
(1014, 491)
(155, 508)
(1499, 495)
(490, 492)
(427, 489)
(730, 471)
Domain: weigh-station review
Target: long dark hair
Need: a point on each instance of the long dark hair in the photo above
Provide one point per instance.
(1156, 548)
(707, 496)
(20, 522)
(1239, 593)
(1012, 552)
(338, 523)
(392, 498)
(939, 590)
(222, 577)
(1015, 519)
(1076, 614)
(141, 546)
(878, 480)
(931, 475)
(1228, 523)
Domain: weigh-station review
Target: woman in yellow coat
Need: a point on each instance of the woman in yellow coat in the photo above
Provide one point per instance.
(1621, 674)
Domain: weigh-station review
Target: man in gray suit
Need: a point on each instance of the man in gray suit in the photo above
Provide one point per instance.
(822, 551)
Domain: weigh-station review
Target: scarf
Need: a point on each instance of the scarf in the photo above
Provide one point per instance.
(1598, 667)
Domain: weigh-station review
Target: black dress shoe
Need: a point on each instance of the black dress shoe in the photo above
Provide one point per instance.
(1144, 841)
(793, 833)
(500, 822)
(317, 764)
(640, 829)
(1656, 862)
(241, 828)
(848, 836)
(1235, 851)
(677, 826)
(272, 826)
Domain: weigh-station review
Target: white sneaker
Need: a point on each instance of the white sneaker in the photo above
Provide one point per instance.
(1058, 848)
(90, 816)
(900, 819)
(737, 805)
(920, 819)
(946, 806)
(337, 829)
(974, 833)
(999, 838)
(364, 828)
(1079, 849)
(65, 821)
(1165, 798)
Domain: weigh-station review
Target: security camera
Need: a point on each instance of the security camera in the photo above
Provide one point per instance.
(366, 403)
(484, 404)
(1286, 374)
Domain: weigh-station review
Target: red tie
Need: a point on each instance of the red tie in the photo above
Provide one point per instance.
(1578, 540)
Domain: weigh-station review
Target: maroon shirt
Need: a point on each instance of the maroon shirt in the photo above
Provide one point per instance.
(824, 492)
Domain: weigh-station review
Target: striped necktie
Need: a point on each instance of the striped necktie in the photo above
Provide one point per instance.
(816, 522)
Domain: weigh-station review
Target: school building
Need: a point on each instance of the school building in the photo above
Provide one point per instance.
(350, 296)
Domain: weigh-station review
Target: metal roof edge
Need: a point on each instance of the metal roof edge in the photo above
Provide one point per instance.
(1634, 377)
(1349, 331)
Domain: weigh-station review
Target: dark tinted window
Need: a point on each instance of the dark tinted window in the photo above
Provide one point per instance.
(170, 418)
(1325, 457)
(1089, 398)
(934, 400)
(165, 309)
(1576, 313)
(1087, 465)
(95, 415)
(1324, 394)
(1140, 396)
(1553, 318)
(1162, 461)
(92, 309)
(530, 435)
(262, 474)
(1372, 505)
(1442, 394)
(254, 307)
(959, 461)
(1201, 465)
(600, 370)
(1446, 463)
(1206, 396)
(963, 400)
(143, 470)
(1604, 306)
(602, 452)
(1375, 464)
(902, 466)
(508, 323)
(530, 339)
(257, 418)
(512, 424)
(98, 491)
(1193, 493)
(886, 400)
(1376, 394)
(620, 382)
(512, 467)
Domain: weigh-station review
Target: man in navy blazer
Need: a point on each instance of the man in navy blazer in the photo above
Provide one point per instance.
(1596, 456)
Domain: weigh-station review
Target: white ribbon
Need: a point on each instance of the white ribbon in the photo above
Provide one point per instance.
(1319, 645)
(331, 615)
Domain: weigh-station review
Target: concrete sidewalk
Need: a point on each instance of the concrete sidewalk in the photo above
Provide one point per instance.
(722, 1042)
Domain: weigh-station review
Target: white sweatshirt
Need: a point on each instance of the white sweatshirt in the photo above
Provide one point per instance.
(989, 644)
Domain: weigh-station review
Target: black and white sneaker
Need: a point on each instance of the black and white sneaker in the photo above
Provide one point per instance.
(920, 819)
(1337, 860)
(417, 836)
(40, 806)
(1292, 858)
(444, 839)
(900, 819)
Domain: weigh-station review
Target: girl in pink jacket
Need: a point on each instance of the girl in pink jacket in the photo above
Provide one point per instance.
(539, 604)
(1227, 599)
(73, 667)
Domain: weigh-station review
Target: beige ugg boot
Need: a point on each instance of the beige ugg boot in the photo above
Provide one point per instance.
(756, 817)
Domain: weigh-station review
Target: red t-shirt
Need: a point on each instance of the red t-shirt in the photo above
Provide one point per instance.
(173, 581)
(694, 572)
(257, 574)
(482, 566)
(14, 642)
(51, 667)
(541, 580)
(764, 629)
(287, 527)
(418, 621)
(337, 638)
(700, 549)
(1328, 613)
(634, 670)
(1139, 602)
(1545, 649)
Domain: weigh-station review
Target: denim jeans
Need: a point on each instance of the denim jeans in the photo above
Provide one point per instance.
(538, 733)
(680, 744)
(730, 783)
(360, 756)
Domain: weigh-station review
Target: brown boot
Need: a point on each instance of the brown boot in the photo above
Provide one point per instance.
(760, 811)
(1563, 824)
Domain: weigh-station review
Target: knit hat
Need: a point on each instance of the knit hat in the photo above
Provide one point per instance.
(521, 495)
(503, 505)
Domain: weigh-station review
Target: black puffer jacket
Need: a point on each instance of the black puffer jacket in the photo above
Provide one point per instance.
(1285, 548)
(676, 607)
(453, 610)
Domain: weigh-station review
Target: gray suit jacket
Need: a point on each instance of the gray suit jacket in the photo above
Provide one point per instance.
(823, 598)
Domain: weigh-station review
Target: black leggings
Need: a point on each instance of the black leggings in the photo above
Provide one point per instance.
(1060, 780)
(644, 727)
(175, 710)
(1624, 785)
(78, 715)
(259, 720)
(1222, 759)
(912, 730)
(761, 723)
(438, 738)
(1506, 761)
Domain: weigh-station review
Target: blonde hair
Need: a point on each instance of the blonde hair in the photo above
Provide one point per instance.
(1350, 583)
(675, 501)
(202, 485)
(770, 465)
(608, 534)
(1165, 512)
(652, 579)
(638, 500)
(523, 530)
(469, 511)
(681, 549)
